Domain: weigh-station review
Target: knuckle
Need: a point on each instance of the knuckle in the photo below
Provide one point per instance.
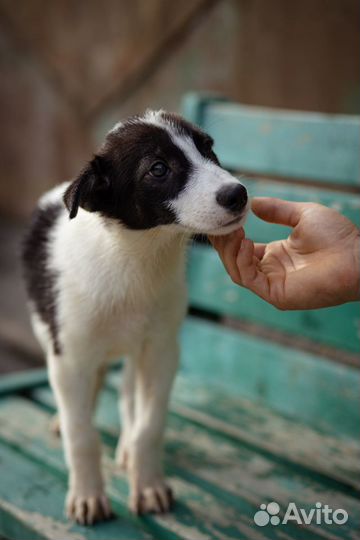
(245, 282)
(315, 206)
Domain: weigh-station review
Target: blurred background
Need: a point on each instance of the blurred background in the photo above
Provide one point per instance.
(71, 69)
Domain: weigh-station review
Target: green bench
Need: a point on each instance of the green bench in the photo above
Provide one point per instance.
(259, 412)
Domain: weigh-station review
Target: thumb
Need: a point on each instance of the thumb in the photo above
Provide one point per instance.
(277, 210)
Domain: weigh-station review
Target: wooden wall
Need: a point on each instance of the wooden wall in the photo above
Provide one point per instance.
(69, 69)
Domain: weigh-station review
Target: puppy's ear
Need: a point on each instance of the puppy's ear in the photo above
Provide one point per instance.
(88, 189)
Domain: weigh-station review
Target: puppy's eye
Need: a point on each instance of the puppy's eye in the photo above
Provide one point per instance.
(159, 169)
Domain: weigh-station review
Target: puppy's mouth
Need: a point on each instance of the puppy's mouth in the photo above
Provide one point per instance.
(237, 219)
(221, 228)
(232, 224)
(233, 221)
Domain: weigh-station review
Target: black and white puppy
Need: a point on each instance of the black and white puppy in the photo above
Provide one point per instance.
(109, 283)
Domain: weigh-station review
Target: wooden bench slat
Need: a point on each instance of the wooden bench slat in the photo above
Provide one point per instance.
(278, 142)
(237, 476)
(282, 436)
(320, 393)
(211, 289)
(15, 382)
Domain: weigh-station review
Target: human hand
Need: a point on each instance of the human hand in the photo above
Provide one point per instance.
(317, 266)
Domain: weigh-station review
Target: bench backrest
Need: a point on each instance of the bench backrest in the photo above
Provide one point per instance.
(321, 153)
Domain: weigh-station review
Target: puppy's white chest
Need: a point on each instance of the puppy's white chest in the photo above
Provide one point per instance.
(131, 318)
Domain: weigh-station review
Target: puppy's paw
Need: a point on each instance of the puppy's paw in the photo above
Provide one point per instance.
(88, 510)
(157, 499)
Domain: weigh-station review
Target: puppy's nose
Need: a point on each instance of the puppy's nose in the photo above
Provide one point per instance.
(232, 197)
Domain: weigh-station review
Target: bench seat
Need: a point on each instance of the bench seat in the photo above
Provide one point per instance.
(234, 440)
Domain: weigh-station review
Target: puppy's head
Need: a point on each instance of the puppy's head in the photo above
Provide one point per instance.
(160, 170)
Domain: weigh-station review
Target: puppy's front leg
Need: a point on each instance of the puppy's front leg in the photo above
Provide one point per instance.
(75, 386)
(155, 370)
(127, 413)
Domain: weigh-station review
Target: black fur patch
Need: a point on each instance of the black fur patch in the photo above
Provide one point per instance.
(40, 280)
(203, 142)
(117, 183)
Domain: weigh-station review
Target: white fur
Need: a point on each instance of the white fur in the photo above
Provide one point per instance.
(122, 293)
(53, 196)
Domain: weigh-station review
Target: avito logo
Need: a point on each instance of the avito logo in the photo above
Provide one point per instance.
(268, 513)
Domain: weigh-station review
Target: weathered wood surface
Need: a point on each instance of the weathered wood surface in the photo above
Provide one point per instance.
(283, 143)
(224, 456)
(317, 451)
(217, 494)
(309, 388)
